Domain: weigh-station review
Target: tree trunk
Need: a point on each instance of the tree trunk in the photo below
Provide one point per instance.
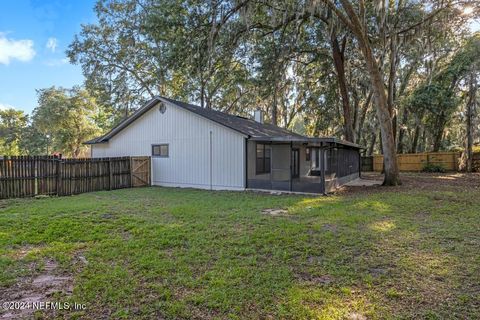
(440, 128)
(470, 110)
(417, 132)
(339, 63)
(372, 146)
(359, 28)
(274, 106)
(202, 95)
(416, 135)
(392, 84)
(392, 177)
(469, 149)
(364, 143)
(362, 117)
(402, 131)
(208, 99)
(423, 143)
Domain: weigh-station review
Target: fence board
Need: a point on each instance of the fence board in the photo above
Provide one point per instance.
(417, 161)
(27, 176)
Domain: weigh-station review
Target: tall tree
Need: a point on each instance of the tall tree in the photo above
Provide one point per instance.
(68, 117)
(471, 106)
(439, 96)
(356, 22)
(12, 125)
(122, 68)
(377, 29)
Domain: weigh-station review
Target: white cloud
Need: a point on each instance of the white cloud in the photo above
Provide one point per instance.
(56, 62)
(11, 49)
(52, 44)
(5, 106)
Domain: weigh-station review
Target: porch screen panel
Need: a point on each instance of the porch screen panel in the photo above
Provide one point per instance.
(348, 162)
(309, 179)
(281, 157)
(255, 178)
(342, 163)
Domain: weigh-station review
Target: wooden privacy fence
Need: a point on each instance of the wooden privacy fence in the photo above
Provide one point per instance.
(27, 176)
(476, 162)
(415, 161)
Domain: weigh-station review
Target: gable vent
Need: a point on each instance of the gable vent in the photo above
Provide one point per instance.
(162, 108)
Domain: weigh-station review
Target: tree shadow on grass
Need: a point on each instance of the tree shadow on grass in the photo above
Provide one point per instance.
(388, 264)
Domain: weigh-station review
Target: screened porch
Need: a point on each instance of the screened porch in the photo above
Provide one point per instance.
(313, 165)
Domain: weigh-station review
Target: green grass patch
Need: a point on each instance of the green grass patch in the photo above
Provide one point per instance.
(173, 253)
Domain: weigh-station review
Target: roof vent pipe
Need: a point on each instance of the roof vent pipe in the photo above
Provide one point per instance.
(258, 115)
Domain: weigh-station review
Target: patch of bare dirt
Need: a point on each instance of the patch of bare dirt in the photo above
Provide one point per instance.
(316, 279)
(275, 212)
(126, 235)
(315, 260)
(377, 272)
(40, 287)
(356, 316)
(330, 227)
(23, 251)
(450, 181)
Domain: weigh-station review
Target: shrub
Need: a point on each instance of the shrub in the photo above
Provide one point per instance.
(430, 167)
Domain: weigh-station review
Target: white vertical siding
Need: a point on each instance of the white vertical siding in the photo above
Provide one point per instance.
(190, 163)
(99, 150)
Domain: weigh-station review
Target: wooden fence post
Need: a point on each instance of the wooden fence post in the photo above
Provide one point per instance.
(58, 175)
(110, 174)
(130, 163)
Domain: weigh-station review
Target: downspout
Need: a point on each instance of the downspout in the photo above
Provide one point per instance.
(211, 162)
(246, 163)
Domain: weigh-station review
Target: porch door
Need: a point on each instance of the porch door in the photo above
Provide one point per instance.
(295, 163)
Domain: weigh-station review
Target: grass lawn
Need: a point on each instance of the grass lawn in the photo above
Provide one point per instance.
(405, 252)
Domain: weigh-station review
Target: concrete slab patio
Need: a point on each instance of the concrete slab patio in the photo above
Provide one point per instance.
(363, 183)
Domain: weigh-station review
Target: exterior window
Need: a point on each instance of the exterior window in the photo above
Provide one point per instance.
(307, 154)
(316, 159)
(160, 150)
(263, 158)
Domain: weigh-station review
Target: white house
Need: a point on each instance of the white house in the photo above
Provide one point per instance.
(202, 148)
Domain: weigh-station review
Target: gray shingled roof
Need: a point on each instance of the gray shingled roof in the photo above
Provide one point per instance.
(248, 127)
(254, 130)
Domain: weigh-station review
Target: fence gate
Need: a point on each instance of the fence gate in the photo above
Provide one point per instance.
(140, 167)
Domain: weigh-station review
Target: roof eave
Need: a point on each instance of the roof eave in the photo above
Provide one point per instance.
(94, 142)
(307, 140)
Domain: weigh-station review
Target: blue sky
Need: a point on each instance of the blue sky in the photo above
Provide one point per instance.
(34, 35)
